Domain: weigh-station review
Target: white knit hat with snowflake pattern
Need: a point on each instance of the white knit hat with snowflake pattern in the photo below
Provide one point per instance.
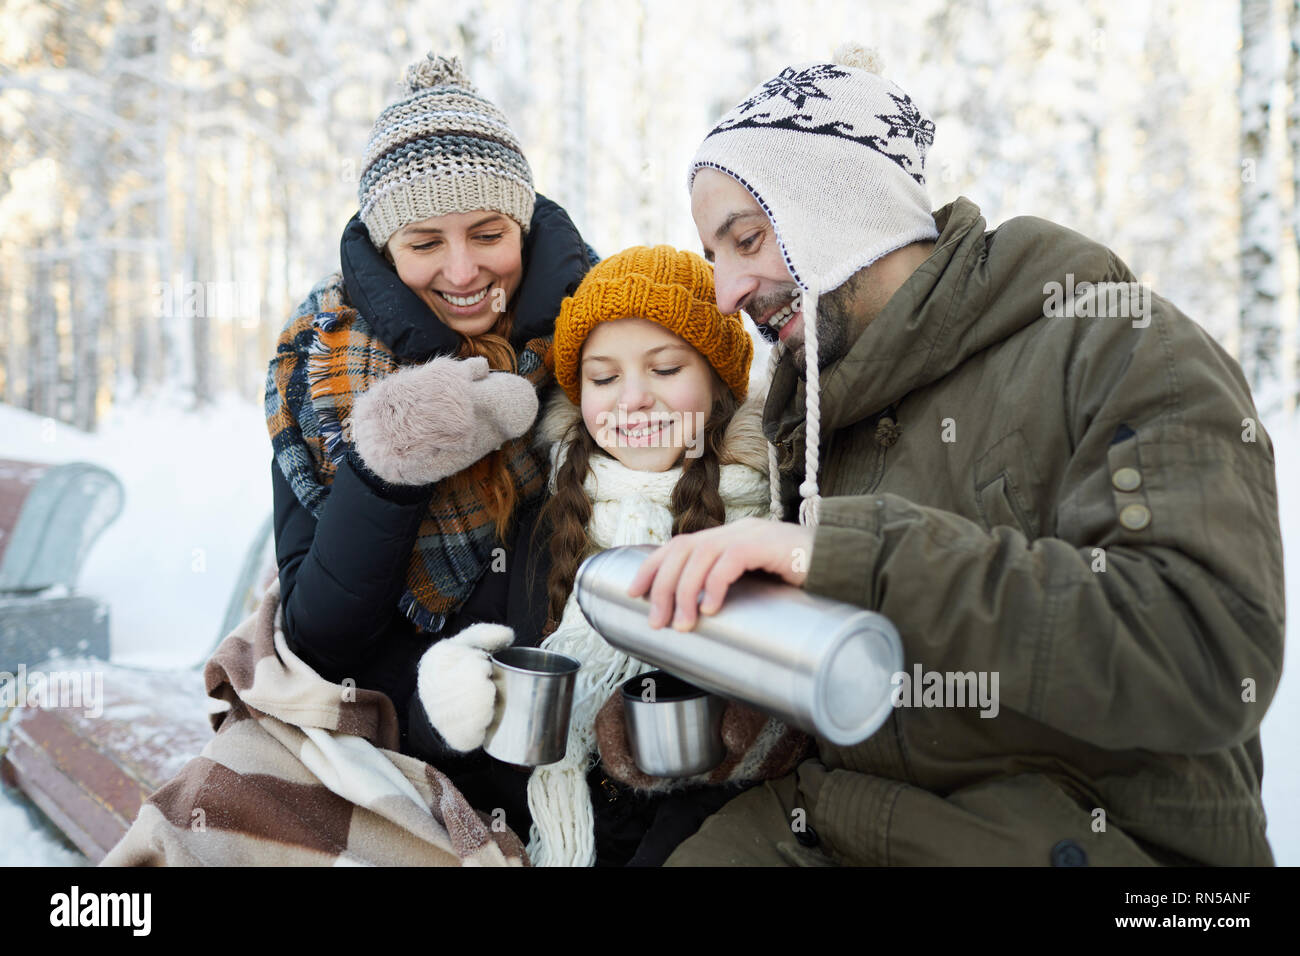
(441, 148)
(835, 155)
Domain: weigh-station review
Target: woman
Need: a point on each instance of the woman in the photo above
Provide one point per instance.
(649, 438)
(403, 476)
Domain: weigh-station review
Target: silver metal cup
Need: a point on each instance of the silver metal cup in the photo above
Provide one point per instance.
(673, 728)
(530, 722)
(821, 665)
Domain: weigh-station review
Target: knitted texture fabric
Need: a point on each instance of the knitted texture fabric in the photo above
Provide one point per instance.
(627, 507)
(441, 148)
(834, 154)
(325, 358)
(454, 681)
(666, 286)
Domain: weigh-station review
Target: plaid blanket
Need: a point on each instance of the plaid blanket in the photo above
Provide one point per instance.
(304, 772)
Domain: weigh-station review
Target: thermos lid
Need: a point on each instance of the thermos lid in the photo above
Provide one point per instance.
(853, 695)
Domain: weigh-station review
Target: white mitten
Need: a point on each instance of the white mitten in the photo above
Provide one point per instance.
(454, 681)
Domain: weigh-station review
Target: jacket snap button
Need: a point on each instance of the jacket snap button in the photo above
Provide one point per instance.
(1068, 853)
(807, 837)
(1135, 517)
(1127, 479)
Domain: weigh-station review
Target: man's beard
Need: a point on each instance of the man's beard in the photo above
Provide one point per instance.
(835, 320)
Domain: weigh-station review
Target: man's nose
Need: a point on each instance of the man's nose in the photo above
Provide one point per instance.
(732, 287)
(460, 268)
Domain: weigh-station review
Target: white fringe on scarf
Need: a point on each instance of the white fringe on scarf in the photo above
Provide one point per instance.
(628, 507)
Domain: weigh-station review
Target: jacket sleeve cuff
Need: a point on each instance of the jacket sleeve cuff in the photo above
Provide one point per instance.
(397, 494)
(846, 545)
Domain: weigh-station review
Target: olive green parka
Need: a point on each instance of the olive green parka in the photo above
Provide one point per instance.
(1083, 504)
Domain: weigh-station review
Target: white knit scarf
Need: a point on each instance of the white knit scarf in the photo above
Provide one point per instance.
(627, 507)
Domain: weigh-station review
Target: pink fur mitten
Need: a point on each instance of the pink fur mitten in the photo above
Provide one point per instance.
(423, 423)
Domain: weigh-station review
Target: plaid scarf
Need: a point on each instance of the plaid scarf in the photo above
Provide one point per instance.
(325, 358)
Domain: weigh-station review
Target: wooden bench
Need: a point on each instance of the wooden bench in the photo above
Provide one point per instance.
(90, 767)
(89, 773)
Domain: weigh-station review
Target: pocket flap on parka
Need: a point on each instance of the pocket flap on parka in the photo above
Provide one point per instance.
(1006, 485)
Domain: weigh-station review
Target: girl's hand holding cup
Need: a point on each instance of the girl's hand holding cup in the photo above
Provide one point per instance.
(455, 684)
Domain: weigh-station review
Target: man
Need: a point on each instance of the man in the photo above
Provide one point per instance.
(1058, 490)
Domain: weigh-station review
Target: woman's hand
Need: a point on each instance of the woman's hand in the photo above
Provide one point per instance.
(421, 424)
(454, 682)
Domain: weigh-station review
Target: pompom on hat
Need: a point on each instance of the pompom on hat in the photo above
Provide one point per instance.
(666, 286)
(441, 148)
(834, 154)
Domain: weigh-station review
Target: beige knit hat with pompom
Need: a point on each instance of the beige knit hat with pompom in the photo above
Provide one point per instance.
(441, 148)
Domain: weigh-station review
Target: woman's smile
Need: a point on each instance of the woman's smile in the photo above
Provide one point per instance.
(465, 301)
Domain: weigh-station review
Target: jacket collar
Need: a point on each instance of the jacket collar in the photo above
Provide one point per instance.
(969, 294)
(555, 260)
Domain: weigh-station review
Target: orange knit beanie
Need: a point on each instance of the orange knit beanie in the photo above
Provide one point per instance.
(664, 285)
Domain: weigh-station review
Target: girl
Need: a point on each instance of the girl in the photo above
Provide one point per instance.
(649, 439)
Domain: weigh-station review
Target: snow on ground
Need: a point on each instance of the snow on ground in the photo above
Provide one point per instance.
(197, 487)
(28, 839)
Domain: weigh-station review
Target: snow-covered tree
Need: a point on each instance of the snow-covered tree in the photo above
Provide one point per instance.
(1260, 236)
(1293, 143)
(149, 145)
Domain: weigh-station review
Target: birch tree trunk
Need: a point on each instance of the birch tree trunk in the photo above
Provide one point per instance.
(198, 264)
(1293, 144)
(165, 107)
(1260, 282)
(42, 384)
(8, 337)
(88, 282)
(574, 145)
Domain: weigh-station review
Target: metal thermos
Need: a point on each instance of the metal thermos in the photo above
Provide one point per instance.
(820, 665)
